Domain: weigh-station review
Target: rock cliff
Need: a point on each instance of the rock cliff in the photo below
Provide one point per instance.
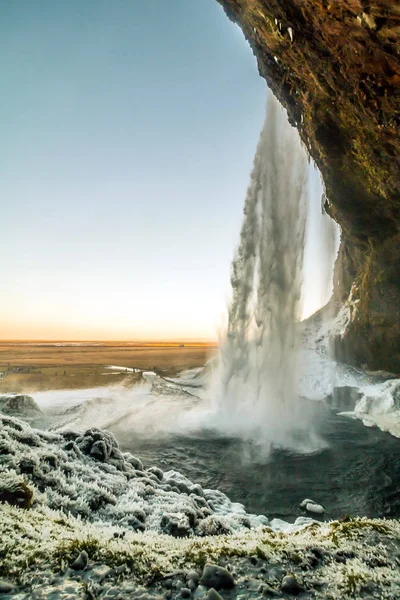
(335, 66)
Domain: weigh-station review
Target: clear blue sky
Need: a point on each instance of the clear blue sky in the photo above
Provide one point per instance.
(128, 133)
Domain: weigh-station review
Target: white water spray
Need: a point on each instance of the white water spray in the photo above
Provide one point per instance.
(256, 383)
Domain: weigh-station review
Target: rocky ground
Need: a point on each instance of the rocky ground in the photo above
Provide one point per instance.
(81, 519)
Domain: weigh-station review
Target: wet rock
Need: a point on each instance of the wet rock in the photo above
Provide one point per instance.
(6, 587)
(193, 575)
(192, 585)
(186, 593)
(312, 507)
(213, 595)
(290, 585)
(216, 577)
(80, 562)
(14, 491)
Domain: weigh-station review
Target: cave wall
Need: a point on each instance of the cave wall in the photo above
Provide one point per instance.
(335, 66)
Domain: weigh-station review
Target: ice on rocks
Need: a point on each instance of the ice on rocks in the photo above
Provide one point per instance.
(379, 406)
(87, 476)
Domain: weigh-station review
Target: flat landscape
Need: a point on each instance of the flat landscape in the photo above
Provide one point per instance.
(36, 366)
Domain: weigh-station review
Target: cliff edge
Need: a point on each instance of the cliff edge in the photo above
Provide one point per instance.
(335, 66)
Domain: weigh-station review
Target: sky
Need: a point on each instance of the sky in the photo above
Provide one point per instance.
(128, 134)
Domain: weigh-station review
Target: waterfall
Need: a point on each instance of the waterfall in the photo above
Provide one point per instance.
(255, 387)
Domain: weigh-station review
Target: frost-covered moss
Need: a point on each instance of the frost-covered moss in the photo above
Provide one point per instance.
(41, 542)
(87, 476)
(139, 528)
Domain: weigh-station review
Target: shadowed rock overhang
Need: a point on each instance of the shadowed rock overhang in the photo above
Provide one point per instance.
(335, 66)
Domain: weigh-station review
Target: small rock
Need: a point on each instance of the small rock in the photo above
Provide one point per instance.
(185, 592)
(192, 575)
(81, 562)
(216, 577)
(290, 585)
(192, 585)
(213, 595)
(312, 507)
(5, 587)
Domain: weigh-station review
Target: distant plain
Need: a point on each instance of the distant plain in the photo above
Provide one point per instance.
(52, 366)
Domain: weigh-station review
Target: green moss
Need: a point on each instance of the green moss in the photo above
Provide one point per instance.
(352, 583)
(351, 528)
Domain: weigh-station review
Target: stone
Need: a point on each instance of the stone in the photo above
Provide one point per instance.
(216, 577)
(312, 507)
(80, 563)
(213, 595)
(290, 585)
(6, 587)
(192, 575)
(185, 592)
(192, 585)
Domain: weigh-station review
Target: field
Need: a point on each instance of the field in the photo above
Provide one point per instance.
(30, 366)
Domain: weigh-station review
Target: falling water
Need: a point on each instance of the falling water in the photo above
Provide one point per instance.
(256, 384)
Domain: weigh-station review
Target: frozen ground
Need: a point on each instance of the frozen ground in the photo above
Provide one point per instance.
(81, 519)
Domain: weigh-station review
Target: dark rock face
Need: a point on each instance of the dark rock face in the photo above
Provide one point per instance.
(335, 66)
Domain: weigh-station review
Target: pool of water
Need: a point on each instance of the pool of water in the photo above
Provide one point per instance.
(357, 473)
